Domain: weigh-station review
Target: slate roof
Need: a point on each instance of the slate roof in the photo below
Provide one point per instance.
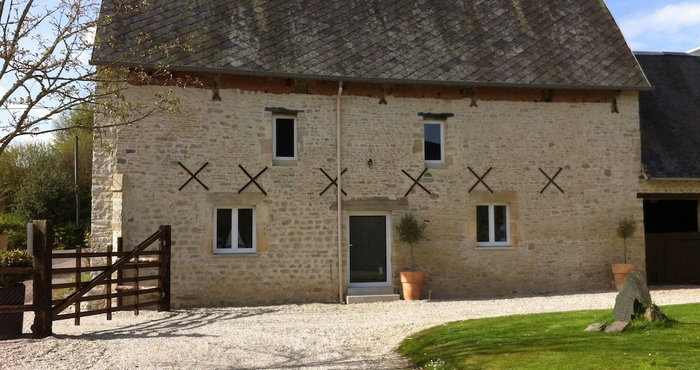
(670, 115)
(541, 43)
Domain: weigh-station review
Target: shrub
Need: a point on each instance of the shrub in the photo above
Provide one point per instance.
(411, 232)
(14, 258)
(15, 229)
(625, 228)
(67, 236)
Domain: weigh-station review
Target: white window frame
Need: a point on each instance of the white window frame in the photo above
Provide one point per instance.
(274, 138)
(492, 231)
(442, 142)
(234, 233)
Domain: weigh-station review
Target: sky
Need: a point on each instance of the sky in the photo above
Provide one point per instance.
(648, 25)
(658, 25)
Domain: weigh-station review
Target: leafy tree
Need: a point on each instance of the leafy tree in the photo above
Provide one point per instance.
(38, 181)
(64, 148)
(411, 232)
(45, 191)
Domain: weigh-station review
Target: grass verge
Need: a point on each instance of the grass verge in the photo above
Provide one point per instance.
(558, 341)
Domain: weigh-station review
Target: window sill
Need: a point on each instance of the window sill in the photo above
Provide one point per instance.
(236, 254)
(436, 165)
(285, 162)
(494, 247)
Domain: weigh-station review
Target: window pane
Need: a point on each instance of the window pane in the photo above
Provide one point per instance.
(284, 140)
(500, 227)
(482, 223)
(245, 228)
(223, 228)
(433, 141)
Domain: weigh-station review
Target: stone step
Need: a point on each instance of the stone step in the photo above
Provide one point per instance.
(371, 298)
(371, 291)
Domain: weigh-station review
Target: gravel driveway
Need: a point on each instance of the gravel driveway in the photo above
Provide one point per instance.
(308, 336)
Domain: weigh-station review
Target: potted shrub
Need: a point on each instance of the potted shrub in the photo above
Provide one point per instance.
(625, 228)
(411, 232)
(12, 291)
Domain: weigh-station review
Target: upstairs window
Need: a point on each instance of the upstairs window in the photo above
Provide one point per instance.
(492, 225)
(434, 142)
(284, 138)
(235, 230)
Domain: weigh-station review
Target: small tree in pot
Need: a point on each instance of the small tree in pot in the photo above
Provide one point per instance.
(625, 229)
(411, 232)
(12, 291)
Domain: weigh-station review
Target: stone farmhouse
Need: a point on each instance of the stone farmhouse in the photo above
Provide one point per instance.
(670, 189)
(511, 128)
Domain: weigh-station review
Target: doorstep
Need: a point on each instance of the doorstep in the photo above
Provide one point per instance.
(373, 294)
(371, 298)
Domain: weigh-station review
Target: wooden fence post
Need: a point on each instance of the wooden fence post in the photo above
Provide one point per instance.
(165, 266)
(120, 272)
(43, 246)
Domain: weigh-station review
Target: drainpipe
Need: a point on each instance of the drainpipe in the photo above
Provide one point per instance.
(339, 194)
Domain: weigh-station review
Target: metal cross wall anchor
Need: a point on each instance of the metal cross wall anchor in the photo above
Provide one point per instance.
(333, 182)
(415, 181)
(551, 180)
(479, 179)
(252, 179)
(193, 175)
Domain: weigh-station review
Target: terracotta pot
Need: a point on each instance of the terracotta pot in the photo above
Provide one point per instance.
(620, 272)
(11, 323)
(411, 283)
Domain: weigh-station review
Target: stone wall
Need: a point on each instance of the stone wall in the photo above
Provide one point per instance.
(560, 242)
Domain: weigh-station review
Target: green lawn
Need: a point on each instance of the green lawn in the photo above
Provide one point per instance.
(557, 341)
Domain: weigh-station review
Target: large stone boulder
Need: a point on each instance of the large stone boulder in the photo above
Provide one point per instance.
(633, 289)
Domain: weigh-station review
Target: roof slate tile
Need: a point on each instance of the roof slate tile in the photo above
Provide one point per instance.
(567, 43)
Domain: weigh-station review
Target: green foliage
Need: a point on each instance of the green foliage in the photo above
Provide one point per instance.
(558, 341)
(411, 232)
(37, 181)
(67, 236)
(625, 229)
(46, 192)
(15, 229)
(14, 258)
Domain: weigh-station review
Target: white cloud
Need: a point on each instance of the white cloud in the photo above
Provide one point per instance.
(676, 26)
(88, 37)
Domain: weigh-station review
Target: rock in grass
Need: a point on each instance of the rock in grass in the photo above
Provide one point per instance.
(596, 326)
(616, 327)
(653, 313)
(634, 288)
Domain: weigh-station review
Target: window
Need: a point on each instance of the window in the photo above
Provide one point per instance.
(235, 230)
(284, 138)
(492, 225)
(434, 142)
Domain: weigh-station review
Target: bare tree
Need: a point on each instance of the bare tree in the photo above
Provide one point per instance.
(45, 71)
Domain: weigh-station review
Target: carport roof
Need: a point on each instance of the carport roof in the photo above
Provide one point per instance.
(670, 116)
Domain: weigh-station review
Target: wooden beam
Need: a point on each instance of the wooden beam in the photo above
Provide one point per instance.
(663, 196)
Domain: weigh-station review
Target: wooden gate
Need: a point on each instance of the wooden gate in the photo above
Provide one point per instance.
(141, 275)
(673, 258)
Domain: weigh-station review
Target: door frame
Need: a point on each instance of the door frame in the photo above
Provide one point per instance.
(389, 275)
